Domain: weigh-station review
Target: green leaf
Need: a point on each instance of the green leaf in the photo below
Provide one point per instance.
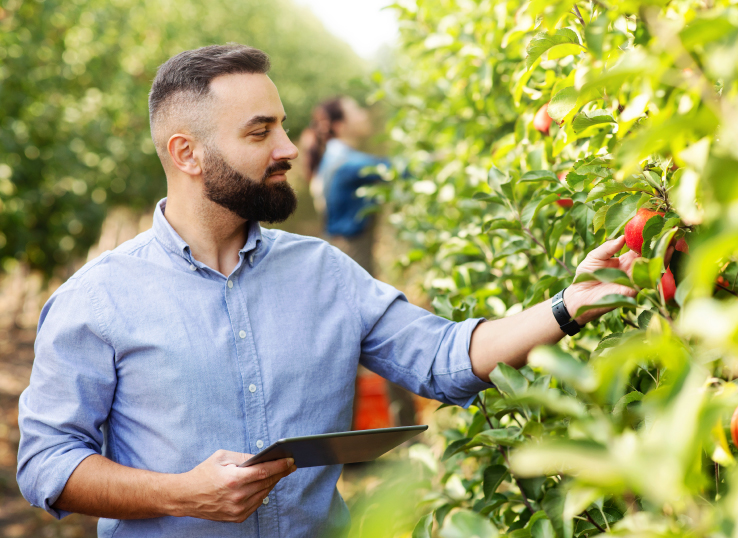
(424, 527)
(455, 447)
(642, 275)
(563, 103)
(606, 188)
(553, 400)
(542, 529)
(706, 30)
(594, 34)
(532, 209)
(584, 120)
(492, 478)
(644, 318)
(663, 244)
(599, 218)
(563, 366)
(488, 197)
(651, 229)
(553, 505)
(468, 524)
(539, 175)
(583, 216)
(442, 306)
(607, 274)
(619, 214)
(508, 380)
(543, 42)
(500, 224)
(608, 301)
(623, 402)
(500, 436)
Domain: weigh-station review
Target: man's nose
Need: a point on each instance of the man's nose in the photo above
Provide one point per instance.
(285, 149)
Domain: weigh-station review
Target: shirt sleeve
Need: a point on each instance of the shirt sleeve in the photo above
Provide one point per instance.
(69, 397)
(424, 353)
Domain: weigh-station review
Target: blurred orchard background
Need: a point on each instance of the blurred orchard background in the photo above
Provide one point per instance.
(524, 135)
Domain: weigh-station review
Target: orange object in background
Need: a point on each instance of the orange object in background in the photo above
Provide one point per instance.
(371, 403)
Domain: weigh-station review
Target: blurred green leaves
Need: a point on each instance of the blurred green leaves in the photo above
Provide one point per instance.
(74, 81)
(621, 429)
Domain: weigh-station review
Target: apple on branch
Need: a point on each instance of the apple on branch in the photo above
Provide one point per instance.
(564, 202)
(542, 121)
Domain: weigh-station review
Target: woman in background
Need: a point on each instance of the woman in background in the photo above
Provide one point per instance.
(339, 127)
(335, 167)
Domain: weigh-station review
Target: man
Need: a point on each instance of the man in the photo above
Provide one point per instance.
(162, 364)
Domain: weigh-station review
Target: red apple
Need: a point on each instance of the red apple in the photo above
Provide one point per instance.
(734, 427)
(542, 121)
(634, 228)
(668, 285)
(682, 246)
(564, 202)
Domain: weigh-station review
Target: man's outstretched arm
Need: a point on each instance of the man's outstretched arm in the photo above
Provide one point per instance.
(509, 340)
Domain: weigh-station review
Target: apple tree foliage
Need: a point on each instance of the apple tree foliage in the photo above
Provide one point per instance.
(74, 81)
(622, 428)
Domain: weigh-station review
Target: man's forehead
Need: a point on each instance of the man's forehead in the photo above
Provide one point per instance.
(244, 95)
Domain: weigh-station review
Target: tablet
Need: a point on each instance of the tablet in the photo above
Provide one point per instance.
(335, 448)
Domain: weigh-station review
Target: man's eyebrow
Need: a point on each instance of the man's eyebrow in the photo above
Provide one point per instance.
(258, 120)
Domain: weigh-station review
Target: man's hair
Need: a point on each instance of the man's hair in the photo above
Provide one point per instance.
(182, 85)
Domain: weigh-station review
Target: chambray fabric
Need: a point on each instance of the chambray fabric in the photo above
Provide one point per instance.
(154, 360)
(342, 171)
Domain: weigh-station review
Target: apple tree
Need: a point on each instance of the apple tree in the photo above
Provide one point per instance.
(533, 133)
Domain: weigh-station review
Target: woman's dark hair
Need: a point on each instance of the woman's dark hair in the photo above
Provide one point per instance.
(324, 117)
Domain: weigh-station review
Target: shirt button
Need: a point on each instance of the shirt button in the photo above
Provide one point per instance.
(230, 283)
(251, 259)
(242, 334)
(259, 443)
(266, 500)
(193, 268)
(252, 388)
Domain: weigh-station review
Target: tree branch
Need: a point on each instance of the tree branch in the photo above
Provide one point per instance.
(593, 522)
(579, 15)
(537, 242)
(726, 289)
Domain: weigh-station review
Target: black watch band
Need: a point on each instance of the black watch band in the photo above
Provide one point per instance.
(567, 324)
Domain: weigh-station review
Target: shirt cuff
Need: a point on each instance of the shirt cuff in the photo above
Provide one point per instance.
(465, 379)
(64, 471)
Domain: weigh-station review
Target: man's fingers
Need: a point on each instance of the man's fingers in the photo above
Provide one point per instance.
(262, 471)
(226, 457)
(608, 249)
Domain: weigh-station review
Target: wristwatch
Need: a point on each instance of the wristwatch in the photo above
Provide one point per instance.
(567, 324)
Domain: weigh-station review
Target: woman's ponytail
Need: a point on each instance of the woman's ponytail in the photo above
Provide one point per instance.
(321, 131)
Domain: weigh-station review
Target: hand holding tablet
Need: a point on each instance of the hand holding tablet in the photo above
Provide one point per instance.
(336, 448)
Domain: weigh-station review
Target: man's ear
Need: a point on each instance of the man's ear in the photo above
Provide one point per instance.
(181, 148)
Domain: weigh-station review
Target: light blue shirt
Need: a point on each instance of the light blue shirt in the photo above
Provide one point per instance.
(156, 361)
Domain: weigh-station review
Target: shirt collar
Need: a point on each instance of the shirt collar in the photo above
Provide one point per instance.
(174, 243)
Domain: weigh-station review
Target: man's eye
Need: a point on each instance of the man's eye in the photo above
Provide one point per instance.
(262, 133)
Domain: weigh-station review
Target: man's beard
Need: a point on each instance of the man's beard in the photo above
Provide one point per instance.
(248, 198)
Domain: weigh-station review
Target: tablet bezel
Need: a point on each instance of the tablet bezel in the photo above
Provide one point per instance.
(261, 457)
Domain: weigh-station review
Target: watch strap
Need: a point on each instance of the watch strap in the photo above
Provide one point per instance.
(564, 319)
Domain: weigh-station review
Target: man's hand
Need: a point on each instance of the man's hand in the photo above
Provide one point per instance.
(219, 490)
(585, 293)
(510, 339)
